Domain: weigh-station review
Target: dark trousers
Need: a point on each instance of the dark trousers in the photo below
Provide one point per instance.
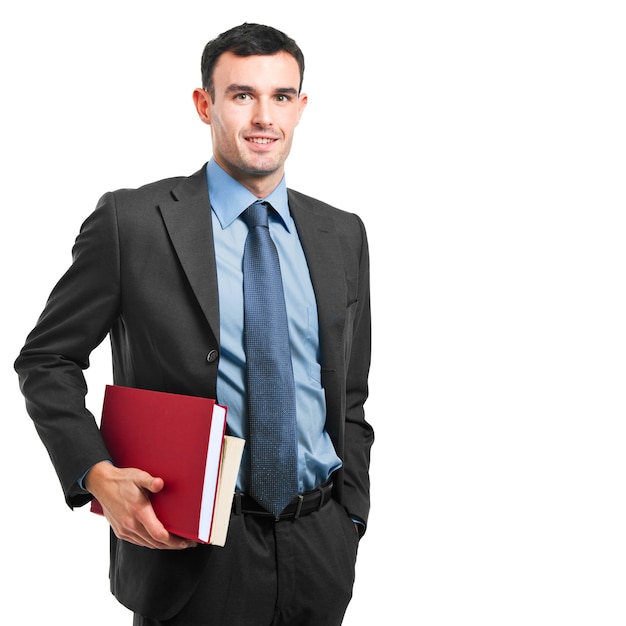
(292, 572)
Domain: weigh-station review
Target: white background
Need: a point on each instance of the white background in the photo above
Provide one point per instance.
(483, 143)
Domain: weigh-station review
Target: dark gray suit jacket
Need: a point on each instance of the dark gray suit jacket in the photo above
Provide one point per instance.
(144, 273)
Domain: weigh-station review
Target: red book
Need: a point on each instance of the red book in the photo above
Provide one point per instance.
(180, 439)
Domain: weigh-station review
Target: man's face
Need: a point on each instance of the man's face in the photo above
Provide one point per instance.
(253, 118)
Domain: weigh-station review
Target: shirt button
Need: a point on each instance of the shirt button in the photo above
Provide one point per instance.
(211, 356)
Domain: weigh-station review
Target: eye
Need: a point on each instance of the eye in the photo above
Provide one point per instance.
(242, 96)
(281, 97)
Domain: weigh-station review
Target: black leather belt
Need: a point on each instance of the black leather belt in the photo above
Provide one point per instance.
(301, 505)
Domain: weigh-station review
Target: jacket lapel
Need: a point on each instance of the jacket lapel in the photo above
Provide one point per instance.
(322, 249)
(188, 222)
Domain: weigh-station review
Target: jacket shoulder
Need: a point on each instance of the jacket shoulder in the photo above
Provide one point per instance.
(343, 220)
(304, 202)
(142, 203)
(172, 188)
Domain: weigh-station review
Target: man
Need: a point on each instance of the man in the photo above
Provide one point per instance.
(161, 270)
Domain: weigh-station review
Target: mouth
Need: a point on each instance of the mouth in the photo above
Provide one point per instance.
(261, 141)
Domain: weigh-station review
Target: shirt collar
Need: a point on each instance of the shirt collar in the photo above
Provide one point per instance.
(230, 198)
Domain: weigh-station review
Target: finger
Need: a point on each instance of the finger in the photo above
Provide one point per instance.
(152, 532)
(155, 484)
(150, 535)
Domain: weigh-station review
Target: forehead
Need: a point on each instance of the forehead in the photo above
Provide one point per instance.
(263, 72)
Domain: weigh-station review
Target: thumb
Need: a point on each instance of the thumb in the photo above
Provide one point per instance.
(150, 483)
(155, 484)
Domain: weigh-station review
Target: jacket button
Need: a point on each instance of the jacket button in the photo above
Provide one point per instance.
(212, 356)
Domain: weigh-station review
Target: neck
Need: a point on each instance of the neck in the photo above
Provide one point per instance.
(261, 185)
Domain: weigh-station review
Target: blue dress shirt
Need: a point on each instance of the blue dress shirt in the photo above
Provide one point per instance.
(317, 458)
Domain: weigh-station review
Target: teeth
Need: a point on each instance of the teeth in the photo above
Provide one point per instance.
(260, 140)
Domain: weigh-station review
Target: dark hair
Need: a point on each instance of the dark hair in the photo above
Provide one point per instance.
(247, 40)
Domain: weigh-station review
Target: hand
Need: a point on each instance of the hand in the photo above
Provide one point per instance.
(124, 496)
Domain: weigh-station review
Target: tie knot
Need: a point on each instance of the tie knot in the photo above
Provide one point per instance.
(256, 214)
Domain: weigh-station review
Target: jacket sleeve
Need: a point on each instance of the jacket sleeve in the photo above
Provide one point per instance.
(359, 435)
(77, 317)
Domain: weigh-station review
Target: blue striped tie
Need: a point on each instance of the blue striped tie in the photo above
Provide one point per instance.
(271, 389)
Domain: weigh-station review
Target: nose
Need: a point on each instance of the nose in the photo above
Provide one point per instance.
(262, 115)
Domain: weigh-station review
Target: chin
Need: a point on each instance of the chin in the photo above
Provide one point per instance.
(261, 169)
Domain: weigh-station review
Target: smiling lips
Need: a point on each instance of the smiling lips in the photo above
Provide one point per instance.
(261, 140)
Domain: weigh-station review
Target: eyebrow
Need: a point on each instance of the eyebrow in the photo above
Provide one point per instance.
(234, 88)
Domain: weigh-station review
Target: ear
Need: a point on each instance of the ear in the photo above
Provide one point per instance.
(302, 102)
(202, 102)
